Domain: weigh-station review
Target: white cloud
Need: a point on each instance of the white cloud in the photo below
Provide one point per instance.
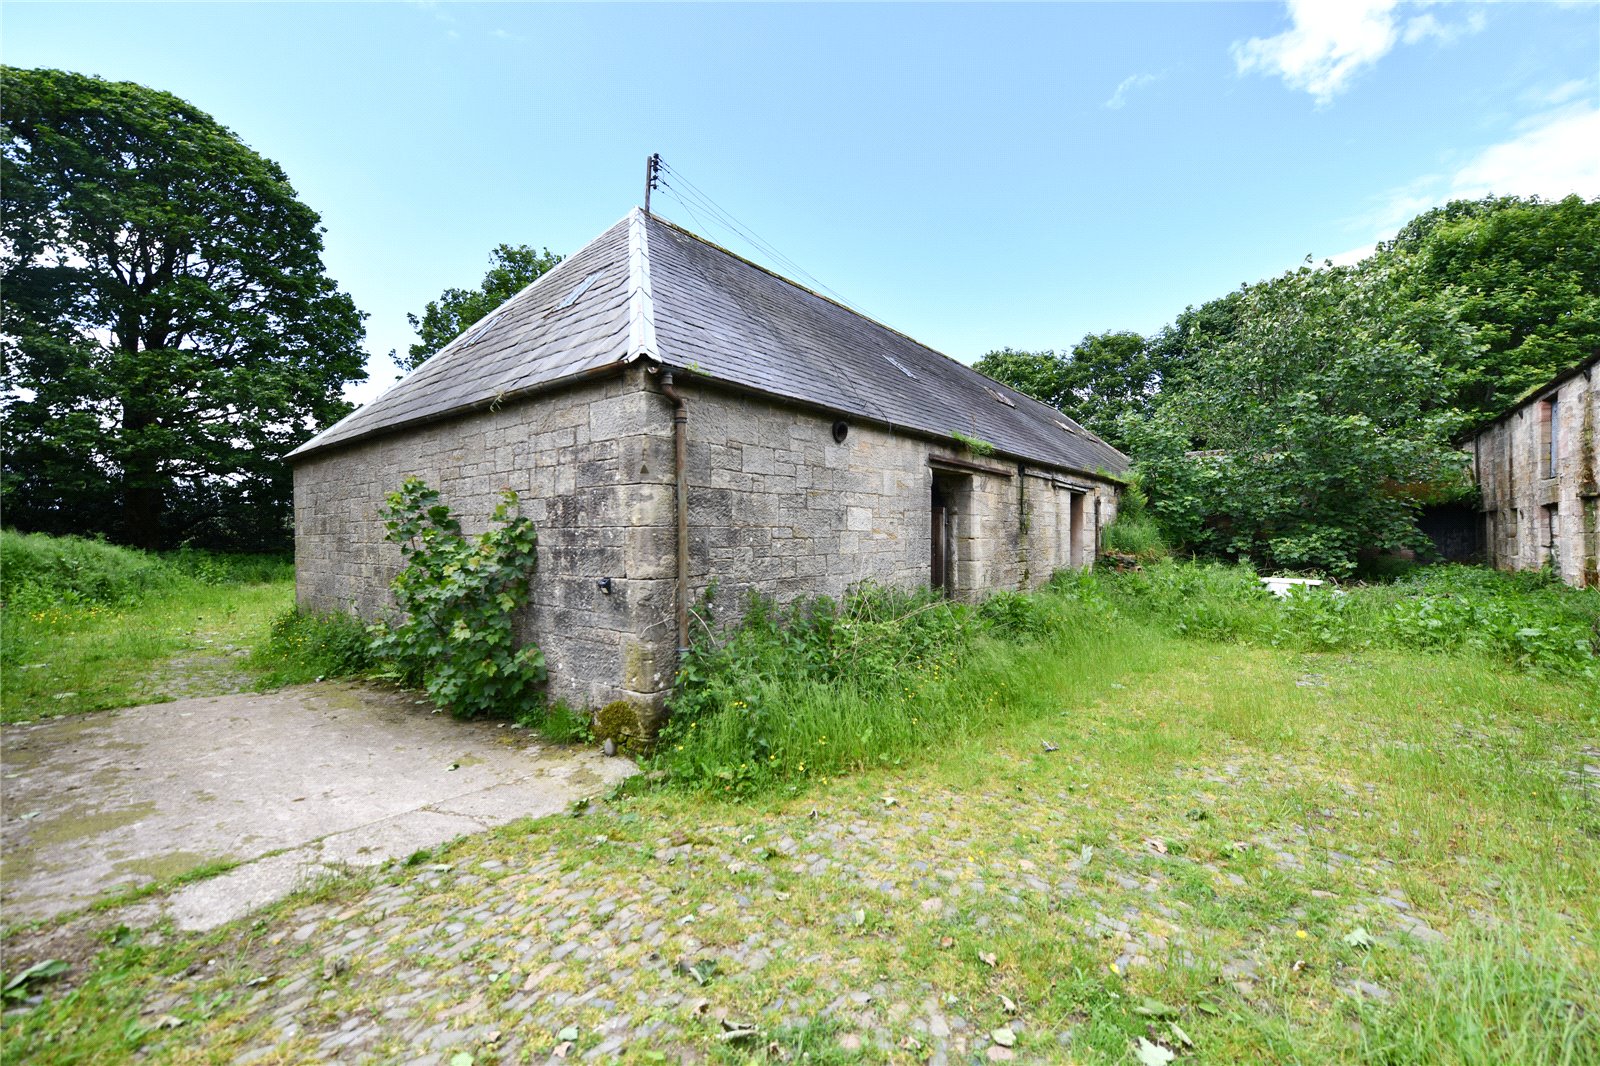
(1134, 81)
(1552, 155)
(1422, 27)
(1555, 155)
(1560, 94)
(1329, 42)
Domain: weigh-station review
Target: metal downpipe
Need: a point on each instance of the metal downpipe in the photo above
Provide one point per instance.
(680, 453)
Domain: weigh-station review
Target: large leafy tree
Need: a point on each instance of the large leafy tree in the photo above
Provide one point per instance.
(512, 268)
(1305, 418)
(169, 330)
(1105, 377)
(1523, 273)
(1307, 433)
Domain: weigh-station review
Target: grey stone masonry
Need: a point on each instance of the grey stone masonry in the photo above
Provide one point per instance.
(593, 467)
(776, 504)
(1536, 472)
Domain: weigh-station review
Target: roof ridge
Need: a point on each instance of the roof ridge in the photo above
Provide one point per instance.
(641, 301)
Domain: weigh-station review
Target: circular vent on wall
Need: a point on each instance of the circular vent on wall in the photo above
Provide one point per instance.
(841, 430)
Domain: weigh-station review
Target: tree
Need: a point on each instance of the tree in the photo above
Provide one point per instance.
(1317, 418)
(1523, 273)
(169, 330)
(1105, 377)
(512, 269)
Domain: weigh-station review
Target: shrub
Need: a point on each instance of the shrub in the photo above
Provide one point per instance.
(40, 570)
(458, 596)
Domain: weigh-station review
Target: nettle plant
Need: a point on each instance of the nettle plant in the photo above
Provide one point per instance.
(457, 596)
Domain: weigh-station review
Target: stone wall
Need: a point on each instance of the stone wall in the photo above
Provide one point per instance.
(593, 466)
(1525, 499)
(777, 504)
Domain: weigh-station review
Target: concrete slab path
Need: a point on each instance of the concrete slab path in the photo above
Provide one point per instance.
(291, 784)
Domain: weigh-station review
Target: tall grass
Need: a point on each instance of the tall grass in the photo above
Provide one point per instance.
(821, 687)
(86, 625)
(1511, 993)
(874, 680)
(41, 572)
(1528, 620)
(303, 646)
(1135, 531)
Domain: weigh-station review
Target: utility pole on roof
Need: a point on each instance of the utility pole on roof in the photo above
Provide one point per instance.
(652, 177)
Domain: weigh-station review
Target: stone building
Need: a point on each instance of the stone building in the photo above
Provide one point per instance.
(673, 415)
(1536, 469)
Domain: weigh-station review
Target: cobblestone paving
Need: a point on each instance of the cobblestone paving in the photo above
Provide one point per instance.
(1011, 901)
(885, 929)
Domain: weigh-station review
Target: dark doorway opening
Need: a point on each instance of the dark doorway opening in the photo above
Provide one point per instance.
(949, 494)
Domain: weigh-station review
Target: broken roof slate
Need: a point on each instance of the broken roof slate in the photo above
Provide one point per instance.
(717, 315)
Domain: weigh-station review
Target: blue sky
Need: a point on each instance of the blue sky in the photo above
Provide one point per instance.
(976, 176)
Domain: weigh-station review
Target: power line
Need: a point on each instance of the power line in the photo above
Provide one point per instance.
(749, 235)
(683, 190)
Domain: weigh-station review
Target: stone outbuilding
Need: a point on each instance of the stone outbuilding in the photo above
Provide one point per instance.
(673, 415)
(1536, 469)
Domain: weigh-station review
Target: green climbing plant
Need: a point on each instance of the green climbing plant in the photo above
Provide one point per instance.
(457, 596)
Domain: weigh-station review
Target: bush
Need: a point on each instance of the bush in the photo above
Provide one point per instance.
(459, 596)
(302, 646)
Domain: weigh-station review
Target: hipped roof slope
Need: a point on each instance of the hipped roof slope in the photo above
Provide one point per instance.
(648, 289)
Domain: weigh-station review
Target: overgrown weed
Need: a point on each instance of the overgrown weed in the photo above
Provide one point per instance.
(306, 646)
(1529, 620)
(823, 687)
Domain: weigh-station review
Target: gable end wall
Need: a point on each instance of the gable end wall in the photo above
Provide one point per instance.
(593, 467)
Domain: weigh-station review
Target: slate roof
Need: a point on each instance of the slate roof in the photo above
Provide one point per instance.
(647, 289)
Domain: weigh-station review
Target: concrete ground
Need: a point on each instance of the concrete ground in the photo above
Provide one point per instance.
(289, 784)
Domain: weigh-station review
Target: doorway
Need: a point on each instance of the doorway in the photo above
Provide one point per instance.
(952, 499)
(942, 535)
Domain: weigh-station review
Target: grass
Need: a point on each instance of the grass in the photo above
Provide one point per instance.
(1215, 825)
(873, 680)
(302, 647)
(1361, 827)
(87, 626)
